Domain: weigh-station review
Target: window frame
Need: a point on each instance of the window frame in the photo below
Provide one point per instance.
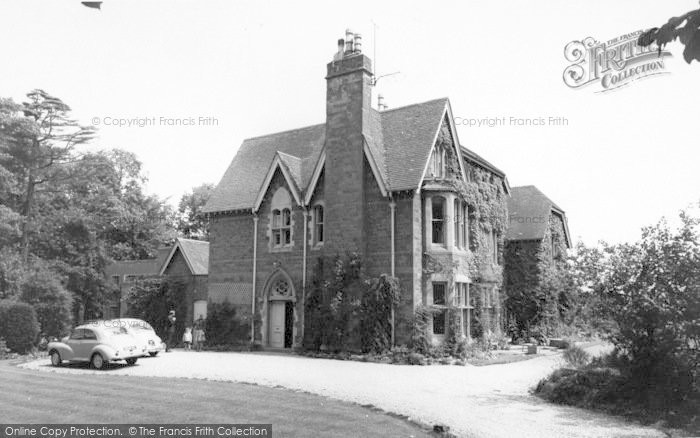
(281, 227)
(441, 221)
(317, 225)
(441, 315)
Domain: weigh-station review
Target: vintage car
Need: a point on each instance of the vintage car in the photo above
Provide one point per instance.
(97, 343)
(143, 331)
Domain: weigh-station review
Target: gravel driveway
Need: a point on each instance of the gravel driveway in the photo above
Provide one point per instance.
(484, 402)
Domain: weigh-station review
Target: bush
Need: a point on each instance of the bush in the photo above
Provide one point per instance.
(18, 326)
(51, 301)
(223, 327)
(417, 359)
(420, 336)
(576, 356)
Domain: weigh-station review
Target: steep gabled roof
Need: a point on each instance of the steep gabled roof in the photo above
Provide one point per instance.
(239, 186)
(398, 143)
(528, 214)
(409, 133)
(195, 253)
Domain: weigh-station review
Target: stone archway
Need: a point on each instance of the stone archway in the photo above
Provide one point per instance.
(280, 311)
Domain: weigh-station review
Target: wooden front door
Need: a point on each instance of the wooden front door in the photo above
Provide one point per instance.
(277, 324)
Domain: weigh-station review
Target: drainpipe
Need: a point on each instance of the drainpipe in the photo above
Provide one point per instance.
(392, 208)
(303, 273)
(255, 273)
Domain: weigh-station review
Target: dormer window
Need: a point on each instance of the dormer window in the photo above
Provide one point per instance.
(436, 168)
(281, 219)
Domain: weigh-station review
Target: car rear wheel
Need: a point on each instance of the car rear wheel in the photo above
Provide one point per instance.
(56, 358)
(153, 354)
(131, 361)
(97, 361)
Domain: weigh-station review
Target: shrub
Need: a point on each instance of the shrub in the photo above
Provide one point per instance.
(223, 327)
(420, 337)
(18, 326)
(576, 356)
(51, 301)
(378, 298)
(416, 359)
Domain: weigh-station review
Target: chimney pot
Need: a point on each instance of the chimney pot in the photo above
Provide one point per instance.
(348, 41)
(341, 47)
(358, 43)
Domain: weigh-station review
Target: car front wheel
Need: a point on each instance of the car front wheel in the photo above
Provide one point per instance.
(153, 353)
(56, 358)
(97, 361)
(131, 361)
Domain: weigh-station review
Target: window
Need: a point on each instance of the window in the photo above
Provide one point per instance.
(439, 322)
(461, 224)
(77, 334)
(115, 279)
(281, 219)
(461, 295)
(318, 224)
(457, 220)
(494, 246)
(439, 294)
(464, 235)
(281, 228)
(438, 211)
(281, 288)
(439, 318)
(436, 167)
(90, 335)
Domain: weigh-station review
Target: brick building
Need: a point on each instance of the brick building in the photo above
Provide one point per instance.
(394, 186)
(187, 262)
(536, 243)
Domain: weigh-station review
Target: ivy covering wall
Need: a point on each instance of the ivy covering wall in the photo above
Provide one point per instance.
(484, 193)
(347, 311)
(536, 296)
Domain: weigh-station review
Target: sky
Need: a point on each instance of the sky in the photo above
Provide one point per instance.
(227, 71)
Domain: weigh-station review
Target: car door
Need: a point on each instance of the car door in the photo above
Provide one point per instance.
(88, 343)
(73, 343)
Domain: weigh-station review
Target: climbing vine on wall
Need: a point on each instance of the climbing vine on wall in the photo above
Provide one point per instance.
(346, 311)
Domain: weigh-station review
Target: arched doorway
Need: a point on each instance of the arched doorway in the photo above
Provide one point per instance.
(280, 311)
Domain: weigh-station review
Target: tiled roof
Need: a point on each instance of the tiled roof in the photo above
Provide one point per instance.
(399, 141)
(409, 133)
(197, 254)
(138, 267)
(245, 175)
(528, 214)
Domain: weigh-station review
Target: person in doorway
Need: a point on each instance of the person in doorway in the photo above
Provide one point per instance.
(171, 331)
(199, 325)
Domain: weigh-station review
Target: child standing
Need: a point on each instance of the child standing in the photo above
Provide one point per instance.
(187, 338)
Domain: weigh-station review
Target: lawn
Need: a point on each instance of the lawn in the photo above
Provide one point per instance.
(38, 397)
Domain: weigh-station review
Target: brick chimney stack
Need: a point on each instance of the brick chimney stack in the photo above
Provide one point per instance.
(348, 111)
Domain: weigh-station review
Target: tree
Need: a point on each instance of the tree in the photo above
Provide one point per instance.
(38, 140)
(686, 28)
(192, 223)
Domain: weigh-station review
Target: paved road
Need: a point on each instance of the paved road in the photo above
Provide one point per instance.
(77, 396)
(484, 402)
